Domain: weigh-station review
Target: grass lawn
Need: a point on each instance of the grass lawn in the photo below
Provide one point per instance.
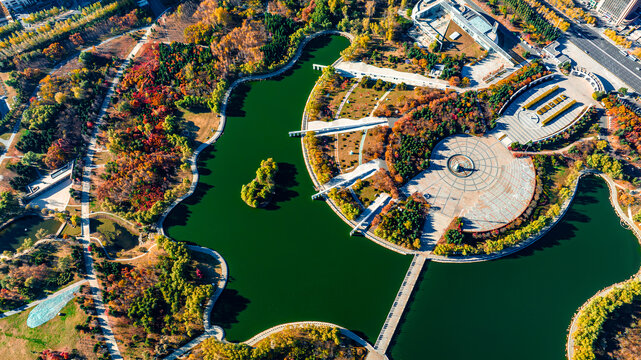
(368, 193)
(348, 145)
(173, 28)
(386, 50)
(337, 97)
(394, 99)
(19, 342)
(464, 44)
(6, 89)
(199, 124)
(361, 103)
(209, 267)
(559, 178)
(103, 157)
(71, 231)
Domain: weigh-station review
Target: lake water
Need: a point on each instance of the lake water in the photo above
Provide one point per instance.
(12, 235)
(296, 260)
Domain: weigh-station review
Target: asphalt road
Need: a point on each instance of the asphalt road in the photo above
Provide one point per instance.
(599, 49)
(606, 54)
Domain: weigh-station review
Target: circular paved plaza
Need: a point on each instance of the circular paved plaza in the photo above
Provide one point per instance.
(478, 179)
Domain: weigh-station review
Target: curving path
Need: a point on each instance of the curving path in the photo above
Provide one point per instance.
(16, 127)
(213, 330)
(210, 330)
(560, 151)
(102, 246)
(349, 334)
(344, 101)
(85, 240)
(114, 215)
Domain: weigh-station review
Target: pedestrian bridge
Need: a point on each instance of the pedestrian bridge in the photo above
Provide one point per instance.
(398, 307)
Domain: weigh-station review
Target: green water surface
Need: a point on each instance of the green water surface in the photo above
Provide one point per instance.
(296, 261)
(12, 235)
(520, 307)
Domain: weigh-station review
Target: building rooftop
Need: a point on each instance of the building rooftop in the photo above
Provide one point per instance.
(480, 24)
(551, 49)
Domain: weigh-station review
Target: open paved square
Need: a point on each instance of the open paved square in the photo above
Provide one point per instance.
(476, 178)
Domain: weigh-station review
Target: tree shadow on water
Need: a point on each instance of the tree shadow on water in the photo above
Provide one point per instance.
(567, 227)
(178, 216)
(236, 101)
(209, 153)
(562, 231)
(285, 179)
(229, 305)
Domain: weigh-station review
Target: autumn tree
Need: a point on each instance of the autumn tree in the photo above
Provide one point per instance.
(199, 33)
(212, 13)
(54, 51)
(9, 206)
(240, 46)
(76, 39)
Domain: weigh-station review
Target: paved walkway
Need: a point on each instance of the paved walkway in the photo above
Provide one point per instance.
(342, 125)
(560, 151)
(369, 212)
(85, 240)
(16, 127)
(210, 330)
(360, 69)
(494, 188)
(215, 330)
(346, 98)
(523, 125)
(361, 172)
(614, 199)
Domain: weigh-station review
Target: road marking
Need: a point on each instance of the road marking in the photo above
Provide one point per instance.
(610, 56)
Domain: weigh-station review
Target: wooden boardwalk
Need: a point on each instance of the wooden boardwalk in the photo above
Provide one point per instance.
(398, 307)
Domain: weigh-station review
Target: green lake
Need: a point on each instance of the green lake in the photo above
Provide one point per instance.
(12, 235)
(296, 260)
(521, 306)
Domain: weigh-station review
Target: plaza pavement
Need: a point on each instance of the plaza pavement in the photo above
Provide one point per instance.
(496, 190)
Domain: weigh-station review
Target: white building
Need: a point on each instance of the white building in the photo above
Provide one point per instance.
(618, 11)
(17, 6)
(469, 20)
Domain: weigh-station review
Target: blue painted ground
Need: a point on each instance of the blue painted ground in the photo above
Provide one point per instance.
(49, 308)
